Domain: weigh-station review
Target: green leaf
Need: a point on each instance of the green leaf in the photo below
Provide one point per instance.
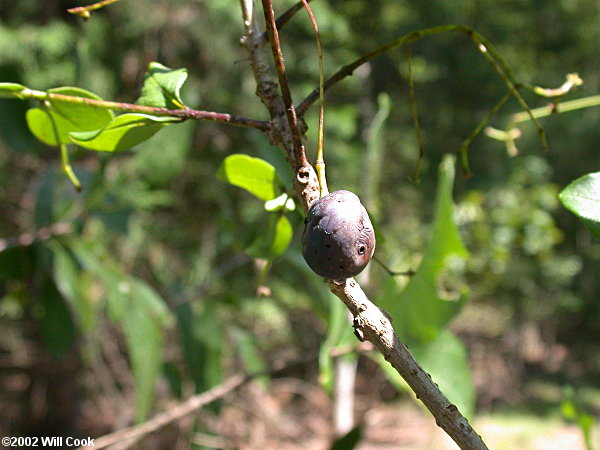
(274, 239)
(435, 293)
(124, 132)
(145, 341)
(57, 325)
(252, 174)
(445, 359)
(582, 198)
(339, 333)
(53, 122)
(139, 311)
(283, 201)
(161, 87)
(68, 278)
(248, 352)
(12, 89)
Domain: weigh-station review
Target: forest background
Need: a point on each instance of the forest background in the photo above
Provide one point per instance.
(156, 232)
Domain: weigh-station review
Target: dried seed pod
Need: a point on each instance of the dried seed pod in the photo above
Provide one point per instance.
(338, 240)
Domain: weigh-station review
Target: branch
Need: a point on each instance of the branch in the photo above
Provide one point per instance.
(305, 177)
(129, 107)
(127, 437)
(283, 19)
(370, 322)
(30, 237)
(484, 46)
(372, 325)
(286, 95)
(85, 11)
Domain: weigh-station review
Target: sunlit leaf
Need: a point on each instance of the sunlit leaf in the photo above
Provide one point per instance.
(161, 87)
(273, 240)
(12, 89)
(126, 131)
(252, 174)
(283, 201)
(434, 294)
(52, 122)
(582, 198)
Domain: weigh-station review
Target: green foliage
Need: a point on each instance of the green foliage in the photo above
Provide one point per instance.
(11, 88)
(124, 132)
(274, 240)
(154, 221)
(422, 310)
(53, 122)
(162, 87)
(582, 198)
(573, 411)
(434, 294)
(252, 174)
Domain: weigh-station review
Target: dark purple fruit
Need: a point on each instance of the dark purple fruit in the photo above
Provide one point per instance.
(338, 240)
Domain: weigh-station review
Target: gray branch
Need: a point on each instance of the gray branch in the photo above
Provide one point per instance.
(370, 323)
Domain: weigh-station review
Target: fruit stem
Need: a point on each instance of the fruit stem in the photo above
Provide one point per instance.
(320, 162)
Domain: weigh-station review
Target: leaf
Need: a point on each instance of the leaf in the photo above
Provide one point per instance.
(252, 174)
(124, 132)
(283, 201)
(339, 333)
(57, 325)
(273, 240)
(582, 198)
(67, 276)
(141, 314)
(53, 122)
(375, 152)
(161, 87)
(202, 343)
(145, 341)
(12, 89)
(445, 359)
(434, 295)
(248, 352)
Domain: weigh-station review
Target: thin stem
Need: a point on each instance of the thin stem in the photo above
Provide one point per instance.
(290, 111)
(415, 115)
(390, 272)
(573, 80)
(67, 168)
(320, 162)
(464, 147)
(283, 19)
(85, 11)
(545, 111)
(129, 107)
(506, 74)
(486, 48)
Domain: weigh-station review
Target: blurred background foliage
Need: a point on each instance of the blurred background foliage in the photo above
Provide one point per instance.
(153, 250)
